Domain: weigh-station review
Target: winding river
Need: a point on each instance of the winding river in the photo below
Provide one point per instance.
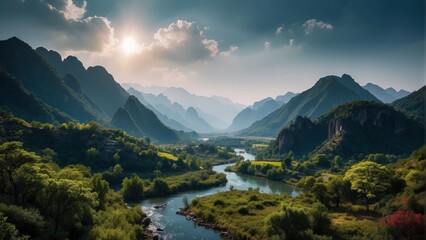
(177, 227)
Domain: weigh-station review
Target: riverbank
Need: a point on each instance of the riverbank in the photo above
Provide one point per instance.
(190, 216)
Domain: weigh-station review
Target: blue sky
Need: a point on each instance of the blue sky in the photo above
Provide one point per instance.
(242, 49)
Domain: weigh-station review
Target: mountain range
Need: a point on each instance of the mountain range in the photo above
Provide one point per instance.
(328, 92)
(188, 118)
(218, 112)
(385, 95)
(39, 85)
(351, 129)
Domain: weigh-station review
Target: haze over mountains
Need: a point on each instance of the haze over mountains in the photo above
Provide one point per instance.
(387, 95)
(217, 111)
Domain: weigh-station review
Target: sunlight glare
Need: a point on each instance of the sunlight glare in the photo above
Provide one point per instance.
(129, 45)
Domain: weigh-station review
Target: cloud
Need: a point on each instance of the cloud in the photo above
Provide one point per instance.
(279, 30)
(291, 42)
(59, 24)
(267, 44)
(229, 52)
(183, 42)
(313, 24)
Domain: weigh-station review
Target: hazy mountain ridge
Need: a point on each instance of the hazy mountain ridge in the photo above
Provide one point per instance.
(355, 128)
(217, 111)
(253, 113)
(174, 111)
(385, 95)
(328, 92)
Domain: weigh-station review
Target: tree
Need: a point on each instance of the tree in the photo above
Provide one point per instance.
(64, 197)
(319, 190)
(132, 188)
(287, 162)
(337, 161)
(336, 188)
(368, 179)
(321, 160)
(117, 169)
(8, 230)
(290, 223)
(17, 172)
(161, 187)
(101, 187)
(306, 183)
(320, 219)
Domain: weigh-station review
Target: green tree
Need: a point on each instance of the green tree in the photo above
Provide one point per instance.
(319, 190)
(8, 230)
(337, 161)
(336, 188)
(306, 183)
(320, 219)
(321, 160)
(161, 187)
(368, 179)
(117, 169)
(92, 153)
(287, 162)
(101, 187)
(63, 198)
(132, 188)
(290, 223)
(18, 175)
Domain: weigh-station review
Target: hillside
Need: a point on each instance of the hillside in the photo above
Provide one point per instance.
(139, 121)
(16, 99)
(20, 61)
(328, 92)
(350, 129)
(385, 95)
(413, 105)
(95, 81)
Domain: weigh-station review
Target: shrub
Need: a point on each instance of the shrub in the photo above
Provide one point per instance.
(253, 198)
(27, 221)
(132, 188)
(243, 211)
(404, 224)
(219, 202)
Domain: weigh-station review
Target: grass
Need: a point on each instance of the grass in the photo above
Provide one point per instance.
(273, 163)
(168, 156)
(259, 145)
(243, 213)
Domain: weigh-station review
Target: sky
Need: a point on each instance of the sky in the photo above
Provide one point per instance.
(245, 50)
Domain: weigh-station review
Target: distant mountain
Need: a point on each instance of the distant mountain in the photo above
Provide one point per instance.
(19, 60)
(188, 118)
(253, 113)
(96, 82)
(386, 96)
(139, 121)
(152, 89)
(328, 92)
(285, 98)
(351, 129)
(221, 108)
(413, 105)
(16, 99)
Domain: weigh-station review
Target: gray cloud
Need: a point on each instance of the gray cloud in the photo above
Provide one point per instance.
(59, 23)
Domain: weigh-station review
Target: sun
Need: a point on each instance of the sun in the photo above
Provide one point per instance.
(129, 45)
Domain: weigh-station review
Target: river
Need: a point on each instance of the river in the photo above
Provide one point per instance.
(177, 227)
